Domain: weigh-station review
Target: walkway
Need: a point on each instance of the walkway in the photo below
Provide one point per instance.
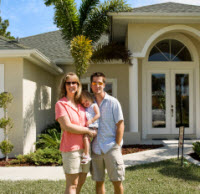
(56, 173)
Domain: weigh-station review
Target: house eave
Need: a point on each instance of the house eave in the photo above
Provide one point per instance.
(34, 56)
(147, 14)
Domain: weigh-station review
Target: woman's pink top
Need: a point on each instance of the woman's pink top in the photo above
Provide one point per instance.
(70, 141)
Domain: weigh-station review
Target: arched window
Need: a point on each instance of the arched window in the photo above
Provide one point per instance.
(169, 50)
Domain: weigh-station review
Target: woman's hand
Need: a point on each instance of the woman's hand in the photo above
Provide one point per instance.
(92, 133)
(95, 132)
(89, 122)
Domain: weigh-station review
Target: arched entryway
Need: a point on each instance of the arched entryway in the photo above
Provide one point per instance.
(170, 73)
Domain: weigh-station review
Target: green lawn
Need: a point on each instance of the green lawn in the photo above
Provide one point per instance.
(161, 177)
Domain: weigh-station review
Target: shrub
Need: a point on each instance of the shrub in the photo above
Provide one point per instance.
(6, 147)
(47, 156)
(196, 147)
(51, 139)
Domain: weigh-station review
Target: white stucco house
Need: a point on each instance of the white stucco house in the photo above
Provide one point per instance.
(158, 91)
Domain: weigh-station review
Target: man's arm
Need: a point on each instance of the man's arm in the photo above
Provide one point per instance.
(119, 131)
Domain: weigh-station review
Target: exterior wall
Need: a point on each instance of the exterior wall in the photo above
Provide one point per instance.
(1, 109)
(13, 68)
(38, 102)
(115, 71)
(197, 106)
(137, 38)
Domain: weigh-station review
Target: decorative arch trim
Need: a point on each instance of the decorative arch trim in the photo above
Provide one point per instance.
(173, 28)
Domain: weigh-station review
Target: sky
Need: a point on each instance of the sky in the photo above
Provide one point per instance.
(32, 17)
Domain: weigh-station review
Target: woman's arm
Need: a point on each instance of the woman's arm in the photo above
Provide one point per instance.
(66, 125)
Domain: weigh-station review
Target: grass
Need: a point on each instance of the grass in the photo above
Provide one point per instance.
(160, 177)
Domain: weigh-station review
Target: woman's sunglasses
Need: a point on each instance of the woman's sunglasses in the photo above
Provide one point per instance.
(71, 83)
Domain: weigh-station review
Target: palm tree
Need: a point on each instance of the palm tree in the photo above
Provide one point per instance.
(84, 27)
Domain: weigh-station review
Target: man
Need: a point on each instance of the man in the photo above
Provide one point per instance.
(106, 147)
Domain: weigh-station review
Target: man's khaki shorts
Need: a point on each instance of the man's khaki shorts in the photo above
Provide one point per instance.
(112, 161)
(72, 162)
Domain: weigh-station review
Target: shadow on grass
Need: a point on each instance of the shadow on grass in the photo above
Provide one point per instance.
(172, 168)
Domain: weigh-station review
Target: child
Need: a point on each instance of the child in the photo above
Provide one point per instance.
(92, 114)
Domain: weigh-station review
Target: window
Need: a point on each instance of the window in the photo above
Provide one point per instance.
(111, 86)
(169, 50)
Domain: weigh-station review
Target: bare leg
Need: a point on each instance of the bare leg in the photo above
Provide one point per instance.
(118, 187)
(71, 183)
(100, 187)
(86, 144)
(82, 178)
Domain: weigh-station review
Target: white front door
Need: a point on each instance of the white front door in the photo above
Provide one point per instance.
(170, 101)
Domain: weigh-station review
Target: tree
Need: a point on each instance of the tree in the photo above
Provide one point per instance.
(85, 27)
(5, 123)
(3, 29)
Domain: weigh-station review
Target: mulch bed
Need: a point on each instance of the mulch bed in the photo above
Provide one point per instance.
(126, 149)
(129, 149)
(195, 156)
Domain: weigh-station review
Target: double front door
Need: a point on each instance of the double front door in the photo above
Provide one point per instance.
(170, 101)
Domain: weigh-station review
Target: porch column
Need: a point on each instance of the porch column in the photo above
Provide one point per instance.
(1, 109)
(133, 95)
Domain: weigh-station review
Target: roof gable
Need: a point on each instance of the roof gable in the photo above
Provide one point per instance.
(168, 7)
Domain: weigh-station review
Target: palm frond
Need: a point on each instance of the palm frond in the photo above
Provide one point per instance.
(98, 21)
(66, 17)
(85, 8)
(111, 51)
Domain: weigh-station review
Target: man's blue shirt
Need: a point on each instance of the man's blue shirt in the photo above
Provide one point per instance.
(111, 114)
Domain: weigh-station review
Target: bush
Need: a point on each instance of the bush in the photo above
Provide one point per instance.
(47, 156)
(6, 147)
(51, 139)
(196, 147)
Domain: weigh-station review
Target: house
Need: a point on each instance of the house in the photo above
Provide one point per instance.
(158, 92)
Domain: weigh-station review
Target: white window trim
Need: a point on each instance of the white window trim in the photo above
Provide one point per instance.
(108, 80)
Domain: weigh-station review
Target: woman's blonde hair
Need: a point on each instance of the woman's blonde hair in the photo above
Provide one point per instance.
(63, 91)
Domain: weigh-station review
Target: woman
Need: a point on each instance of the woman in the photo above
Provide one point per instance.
(72, 119)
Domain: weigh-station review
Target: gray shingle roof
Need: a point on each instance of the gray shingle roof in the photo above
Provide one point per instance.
(52, 45)
(168, 7)
(10, 44)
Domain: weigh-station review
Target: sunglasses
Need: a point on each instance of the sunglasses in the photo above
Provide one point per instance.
(71, 83)
(97, 83)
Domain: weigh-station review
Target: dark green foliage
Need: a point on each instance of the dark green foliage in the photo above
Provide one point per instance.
(50, 139)
(98, 21)
(47, 152)
(108, 52)
(65, 17)
(6, 122)
(46, 156)
(3, 29)
(196, 147)
(6, 147)
(85, 9)
(5, 99)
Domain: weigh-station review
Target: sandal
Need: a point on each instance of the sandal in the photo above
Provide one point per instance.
(85, 159)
